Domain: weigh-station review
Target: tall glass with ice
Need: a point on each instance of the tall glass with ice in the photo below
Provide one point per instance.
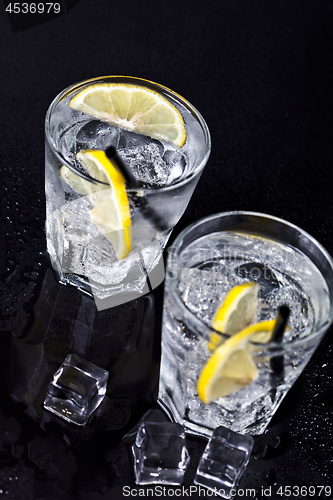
(227, 278)
(105, 235)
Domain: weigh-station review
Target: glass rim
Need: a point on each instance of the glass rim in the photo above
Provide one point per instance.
(202, 326)
(146, 83)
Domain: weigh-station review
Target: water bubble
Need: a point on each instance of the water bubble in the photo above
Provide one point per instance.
(327, 398)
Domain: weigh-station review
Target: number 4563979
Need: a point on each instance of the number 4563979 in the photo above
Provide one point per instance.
(33, 8)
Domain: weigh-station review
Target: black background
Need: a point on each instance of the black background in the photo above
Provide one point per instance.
(260, 72)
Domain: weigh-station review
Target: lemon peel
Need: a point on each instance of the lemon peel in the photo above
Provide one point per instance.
(237, 311)
(111, 212)
(231, 366)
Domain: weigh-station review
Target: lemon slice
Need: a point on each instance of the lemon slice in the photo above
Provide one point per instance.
(111, 212)
(81, 185)
(133, 108)
(231, 367)
(236, 312)
(111, 219)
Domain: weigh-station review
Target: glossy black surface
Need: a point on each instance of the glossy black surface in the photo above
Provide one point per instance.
(261, 75)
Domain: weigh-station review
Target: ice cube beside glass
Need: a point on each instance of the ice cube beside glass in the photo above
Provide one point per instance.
(76, 390)
(160, 453)
(224, 461)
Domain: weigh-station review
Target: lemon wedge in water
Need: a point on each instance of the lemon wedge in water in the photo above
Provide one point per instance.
(111, 212)
(231, 366)
(237, 311)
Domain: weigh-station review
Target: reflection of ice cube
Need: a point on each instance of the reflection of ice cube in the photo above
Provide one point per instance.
(223, 461)
(76, 390)
(160, 453)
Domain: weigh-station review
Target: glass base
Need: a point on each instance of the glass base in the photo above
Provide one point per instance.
(130, 288)
(253, 428)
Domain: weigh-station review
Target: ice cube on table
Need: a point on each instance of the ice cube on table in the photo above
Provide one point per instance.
(224, 461)
(76, 390)
(160, 453)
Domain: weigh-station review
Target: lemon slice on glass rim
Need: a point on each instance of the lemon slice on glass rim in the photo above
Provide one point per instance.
(133, 107)
(111, 212)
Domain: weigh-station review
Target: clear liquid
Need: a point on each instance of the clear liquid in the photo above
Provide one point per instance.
(211, 266)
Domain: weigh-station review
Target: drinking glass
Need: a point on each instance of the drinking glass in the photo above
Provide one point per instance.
(82, 255)
(207, 260)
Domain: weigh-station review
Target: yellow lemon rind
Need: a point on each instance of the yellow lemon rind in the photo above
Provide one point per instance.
(111, 212)
(234, 377)
(221, 321)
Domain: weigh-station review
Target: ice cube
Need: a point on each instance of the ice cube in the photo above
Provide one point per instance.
(144, 156)
(160, 453)
(72, 222)
(203, 290)
(76, 390)
(224, 461)
(260, 273)
(176, 162)
(97, 135)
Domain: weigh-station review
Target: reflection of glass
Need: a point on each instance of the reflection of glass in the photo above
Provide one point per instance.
(207, 260)
(168, 174)
(120, 340)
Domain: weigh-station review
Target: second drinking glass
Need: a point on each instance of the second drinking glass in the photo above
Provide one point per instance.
(225, 360)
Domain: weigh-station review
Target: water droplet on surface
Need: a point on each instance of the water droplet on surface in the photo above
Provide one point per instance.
(270, 477)
(33, 275)
(327, 398)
